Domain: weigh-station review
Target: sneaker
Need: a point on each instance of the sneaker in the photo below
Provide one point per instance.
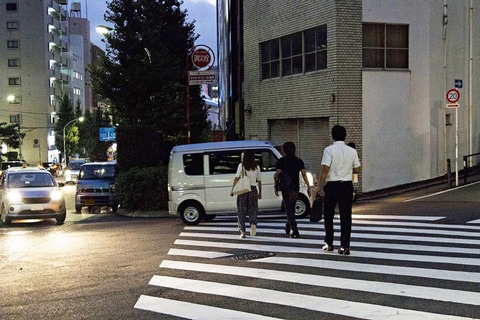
(344, 251)
(295, 235)
(242, 234)
(326, 247)
(253, 230)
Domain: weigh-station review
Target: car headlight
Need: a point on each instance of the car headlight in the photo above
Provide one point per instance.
(14, 196)
(56, 195)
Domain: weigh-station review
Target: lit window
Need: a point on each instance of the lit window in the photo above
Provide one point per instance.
(15, 100)
(385, 46)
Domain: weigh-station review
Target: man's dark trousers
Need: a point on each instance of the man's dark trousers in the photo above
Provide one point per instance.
(340, 192)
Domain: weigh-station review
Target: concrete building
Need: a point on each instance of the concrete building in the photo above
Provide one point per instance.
(34, 71)
(381, 68)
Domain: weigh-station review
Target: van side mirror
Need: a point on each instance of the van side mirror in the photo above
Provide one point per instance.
(61, 184)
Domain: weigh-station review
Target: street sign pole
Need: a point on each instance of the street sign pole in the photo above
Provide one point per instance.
(453, 95)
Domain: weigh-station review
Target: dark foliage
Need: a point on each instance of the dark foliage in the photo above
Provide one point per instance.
(142, 189)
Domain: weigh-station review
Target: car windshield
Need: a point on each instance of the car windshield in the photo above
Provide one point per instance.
(75, 165)
(29, 180)
(97, 172)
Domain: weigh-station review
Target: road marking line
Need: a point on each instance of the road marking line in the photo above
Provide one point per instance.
(318, 250)
(458, 241)
(199, 254)
(389, 288)
(357, 267)
(474, 221)
(355, 245)
(442, 192)
(328, 305)
(192, 310)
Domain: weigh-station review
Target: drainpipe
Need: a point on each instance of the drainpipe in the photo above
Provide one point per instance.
(444, 37)
(470, 81)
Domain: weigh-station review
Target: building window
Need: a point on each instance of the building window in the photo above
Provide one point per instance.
(316, 49)
(11, 25)
(76, 91)
(13, 63)
(15, 118)
(15, 100)
(270, 59)
(291, 54)
(11, 6)
(300, 52)
(385, 46)
(13, 81)
(12, 44)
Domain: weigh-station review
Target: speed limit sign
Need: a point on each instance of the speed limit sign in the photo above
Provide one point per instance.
(453, 95)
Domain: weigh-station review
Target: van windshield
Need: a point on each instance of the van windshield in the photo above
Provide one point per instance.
(75, 165)
(91, 172)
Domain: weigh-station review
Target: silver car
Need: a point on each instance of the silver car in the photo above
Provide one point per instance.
(30, 193)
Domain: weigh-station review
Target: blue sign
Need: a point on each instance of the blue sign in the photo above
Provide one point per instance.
(107, 134)
(458, 83)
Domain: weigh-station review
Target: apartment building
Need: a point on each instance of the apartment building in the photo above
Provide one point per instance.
(34, 72)
(290, 70)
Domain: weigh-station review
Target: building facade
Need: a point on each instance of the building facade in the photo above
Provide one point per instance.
(33, 71)
(381, 68)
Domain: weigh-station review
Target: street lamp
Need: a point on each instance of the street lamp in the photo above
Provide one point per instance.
(65, 127)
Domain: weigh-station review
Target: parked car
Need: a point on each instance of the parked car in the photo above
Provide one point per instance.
(12, 164)
(72, 170)
(96, 186)
(30, 193)
(200, 178)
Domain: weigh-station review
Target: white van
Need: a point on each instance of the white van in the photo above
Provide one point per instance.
(200, 178)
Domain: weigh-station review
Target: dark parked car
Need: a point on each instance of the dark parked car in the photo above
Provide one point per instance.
(96, 186)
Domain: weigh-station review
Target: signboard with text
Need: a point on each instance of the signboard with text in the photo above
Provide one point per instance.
(202, 77)
(107, 134)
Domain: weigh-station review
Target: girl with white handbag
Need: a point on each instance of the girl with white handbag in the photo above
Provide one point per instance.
(248, 175)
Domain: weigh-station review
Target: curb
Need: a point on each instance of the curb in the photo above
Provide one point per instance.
(145, 214)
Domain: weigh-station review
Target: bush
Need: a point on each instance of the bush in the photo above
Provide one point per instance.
(143, 189)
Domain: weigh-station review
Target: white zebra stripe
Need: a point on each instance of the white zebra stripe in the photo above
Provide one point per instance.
(334, 306)
(357, 267)
(355, 244)
(193, 311)
(198, 253)
(402, 290)
(362, 254)
(451, 241)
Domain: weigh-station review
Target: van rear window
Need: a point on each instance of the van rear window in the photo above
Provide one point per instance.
(193, 164)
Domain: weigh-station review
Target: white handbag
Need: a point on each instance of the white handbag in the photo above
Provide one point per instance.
(243, 185)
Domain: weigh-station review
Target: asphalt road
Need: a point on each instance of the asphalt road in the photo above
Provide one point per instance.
(413, 256)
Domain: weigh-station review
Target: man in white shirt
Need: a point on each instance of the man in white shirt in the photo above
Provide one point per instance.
(339, 162)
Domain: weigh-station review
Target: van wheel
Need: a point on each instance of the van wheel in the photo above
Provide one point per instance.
(302, 207)
(191, 213)
(78, 208)
(61, 219)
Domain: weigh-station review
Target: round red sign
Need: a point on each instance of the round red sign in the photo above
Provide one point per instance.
(453, 95)
(201, 58)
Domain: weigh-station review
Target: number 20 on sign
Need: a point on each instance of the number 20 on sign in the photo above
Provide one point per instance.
(453, 95)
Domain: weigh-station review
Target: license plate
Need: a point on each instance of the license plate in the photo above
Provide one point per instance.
(37, 207)
(89, 202)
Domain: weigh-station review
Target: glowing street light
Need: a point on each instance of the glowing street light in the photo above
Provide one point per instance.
(64, 148)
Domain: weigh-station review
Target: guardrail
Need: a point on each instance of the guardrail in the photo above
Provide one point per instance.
(466, 168)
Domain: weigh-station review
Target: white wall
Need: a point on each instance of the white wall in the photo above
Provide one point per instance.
(405, 139)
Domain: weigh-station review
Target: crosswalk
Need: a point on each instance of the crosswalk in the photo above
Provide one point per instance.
(400, 267)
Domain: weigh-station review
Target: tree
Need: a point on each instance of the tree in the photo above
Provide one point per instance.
(143, 72)
(90, 145)
(65, 115)
(9, 134)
